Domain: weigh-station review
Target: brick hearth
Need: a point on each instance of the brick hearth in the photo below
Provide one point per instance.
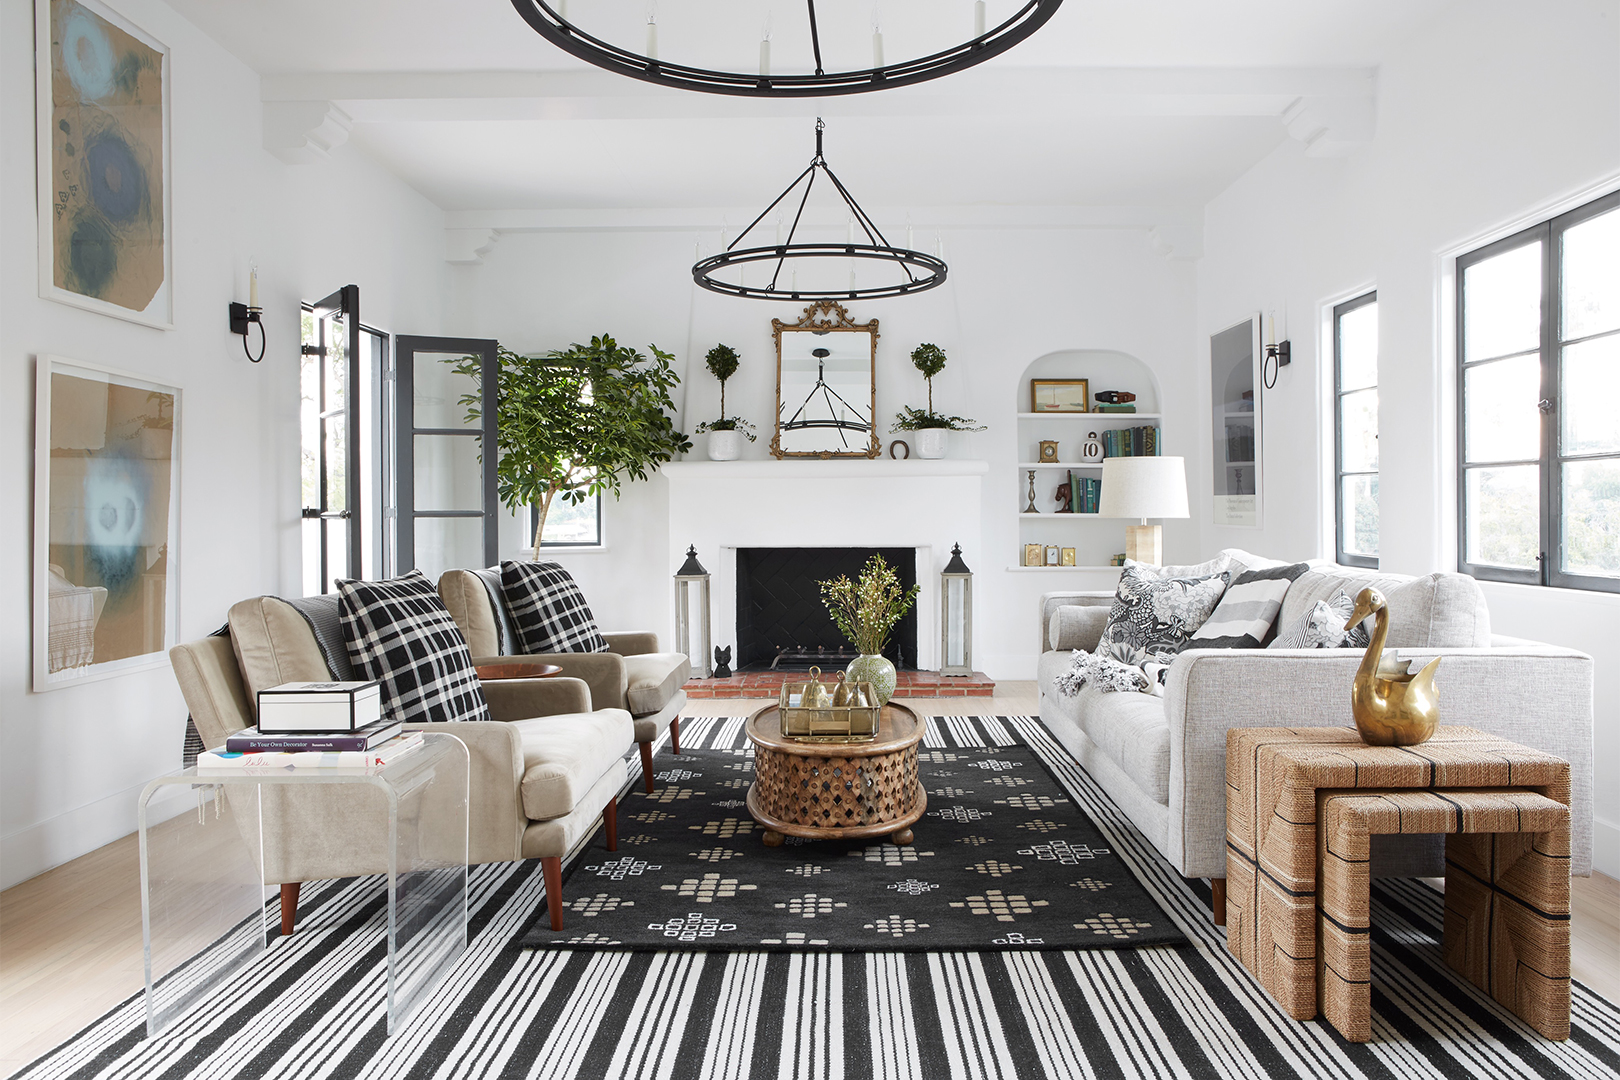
(909, 684)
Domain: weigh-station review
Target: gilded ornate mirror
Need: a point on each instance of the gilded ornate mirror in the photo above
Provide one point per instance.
(826, 385)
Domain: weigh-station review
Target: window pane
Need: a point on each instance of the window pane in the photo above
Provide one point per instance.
(1591, 276)
(448, 476)
(437, 392)
(337, 551)
(570, 524)
(309, 424)
(337, 344)
(337, 463)
(1502, 516)
(1360, 502)
(1502, 422)
(1592, 517)
(1358, 427)
(1502, 304)
(310, 536)
(1591, 422)
(1358, 347)
(446, 543)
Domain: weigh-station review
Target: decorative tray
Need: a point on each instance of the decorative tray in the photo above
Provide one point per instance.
(840, 712)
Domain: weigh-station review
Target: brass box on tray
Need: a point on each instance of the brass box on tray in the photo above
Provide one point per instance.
(843, 712)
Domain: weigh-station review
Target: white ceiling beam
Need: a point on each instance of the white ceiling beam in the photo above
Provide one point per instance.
(304, 132)
(597, 95)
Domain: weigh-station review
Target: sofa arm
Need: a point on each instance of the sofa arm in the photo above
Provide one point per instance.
(603, 672)
(1535, 695)
(495, 818)
(524, 699)
(631, 642)
(1052, 601)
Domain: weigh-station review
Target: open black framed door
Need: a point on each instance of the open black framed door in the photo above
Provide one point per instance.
(335, 499)
(444, 463)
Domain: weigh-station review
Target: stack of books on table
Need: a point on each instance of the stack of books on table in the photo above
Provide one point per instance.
(331, 725)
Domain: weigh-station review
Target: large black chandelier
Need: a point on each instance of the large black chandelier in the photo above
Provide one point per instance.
(907, 271)
(640, 59)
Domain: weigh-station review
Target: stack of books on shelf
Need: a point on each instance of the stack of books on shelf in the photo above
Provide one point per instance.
(1131, 442)
(1084, 492)
(304, 725)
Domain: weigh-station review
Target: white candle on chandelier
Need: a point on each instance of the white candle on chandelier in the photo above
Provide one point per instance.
(795, 285)
(978, 18)
(562, 9)
(851, 230)
(877, 48)
(765, 56)
(778, 232)
(909, 245)
(652, 32)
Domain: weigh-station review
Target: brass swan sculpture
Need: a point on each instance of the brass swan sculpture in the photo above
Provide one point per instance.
(1392, 707)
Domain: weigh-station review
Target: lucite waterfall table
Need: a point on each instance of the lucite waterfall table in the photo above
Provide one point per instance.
(208, 871)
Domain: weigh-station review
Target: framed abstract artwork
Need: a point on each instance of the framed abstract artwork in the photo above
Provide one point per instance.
(105, 210)
(106, 522)
(1234, 360)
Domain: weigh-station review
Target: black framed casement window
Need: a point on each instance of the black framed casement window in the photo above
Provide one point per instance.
(570, 525)
(1538, 331)
(1355, 429)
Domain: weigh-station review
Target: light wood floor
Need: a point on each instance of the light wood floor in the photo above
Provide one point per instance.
(70, 939)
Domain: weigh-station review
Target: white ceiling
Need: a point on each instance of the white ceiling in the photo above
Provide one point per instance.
(1113, 103)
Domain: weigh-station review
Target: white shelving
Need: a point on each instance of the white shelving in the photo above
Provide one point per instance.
(1056, 569)
(1055, 515)
(1126, 416)
(1060, 465)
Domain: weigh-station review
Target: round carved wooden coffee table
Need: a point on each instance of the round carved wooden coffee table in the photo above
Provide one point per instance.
(837, 791)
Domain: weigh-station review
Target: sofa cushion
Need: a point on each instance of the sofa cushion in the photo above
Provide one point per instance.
(564, 756)
(1075, 627)
(1437, 611)
(1247, 609)
(1133, 731)
(273, 645)
(549, 613)
(1153, 614)
(653, 679)
(400, 634)
(1323, 627)
(1219, 564)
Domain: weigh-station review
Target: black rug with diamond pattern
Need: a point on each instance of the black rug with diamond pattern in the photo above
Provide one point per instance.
(1003, 860)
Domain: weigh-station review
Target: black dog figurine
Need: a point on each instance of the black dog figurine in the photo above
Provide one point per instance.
(722, 662)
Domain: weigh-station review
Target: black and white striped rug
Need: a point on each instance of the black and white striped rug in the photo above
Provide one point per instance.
(312, 1005)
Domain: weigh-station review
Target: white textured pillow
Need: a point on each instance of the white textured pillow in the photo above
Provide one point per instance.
(1322, 627)
(1219, 564)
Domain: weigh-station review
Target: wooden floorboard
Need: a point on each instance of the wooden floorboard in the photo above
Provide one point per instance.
(70, 939)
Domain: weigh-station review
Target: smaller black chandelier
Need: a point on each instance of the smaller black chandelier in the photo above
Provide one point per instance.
(921, 271)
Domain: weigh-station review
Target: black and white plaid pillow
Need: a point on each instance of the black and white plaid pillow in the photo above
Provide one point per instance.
(548, 611)
(399, 633)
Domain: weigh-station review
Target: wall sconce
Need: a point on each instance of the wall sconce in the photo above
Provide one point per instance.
(1277, 355)
(245, 315)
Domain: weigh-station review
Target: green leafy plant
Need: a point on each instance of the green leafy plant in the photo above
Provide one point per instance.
(867, 609)
(930, 360)
(575, 423)
(722, 362)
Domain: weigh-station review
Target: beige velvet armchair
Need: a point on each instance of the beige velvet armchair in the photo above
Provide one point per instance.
(632, 675)
(544, 773)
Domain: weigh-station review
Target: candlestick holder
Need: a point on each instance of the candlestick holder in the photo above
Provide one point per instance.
(243, 317)
(1032, 508)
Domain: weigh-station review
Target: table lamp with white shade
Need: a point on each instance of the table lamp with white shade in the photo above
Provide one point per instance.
(1142, 488)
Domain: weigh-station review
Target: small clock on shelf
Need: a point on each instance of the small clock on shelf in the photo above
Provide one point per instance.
(1049, 451)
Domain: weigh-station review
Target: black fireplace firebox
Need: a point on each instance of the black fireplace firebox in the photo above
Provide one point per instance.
(781, 621)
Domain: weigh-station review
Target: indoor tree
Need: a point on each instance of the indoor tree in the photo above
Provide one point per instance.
(576, 422)
(722, 361)
(930, 360)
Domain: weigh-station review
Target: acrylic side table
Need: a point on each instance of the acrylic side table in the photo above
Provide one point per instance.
(204, 894)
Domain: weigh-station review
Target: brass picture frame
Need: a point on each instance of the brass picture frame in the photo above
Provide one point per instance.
(1059, 395)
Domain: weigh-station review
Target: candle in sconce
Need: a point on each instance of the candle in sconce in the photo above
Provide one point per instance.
(253, 288)
(877, 48)
(978, 18)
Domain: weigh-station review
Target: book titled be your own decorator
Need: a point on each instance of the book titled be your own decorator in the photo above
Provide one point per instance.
(305, 725)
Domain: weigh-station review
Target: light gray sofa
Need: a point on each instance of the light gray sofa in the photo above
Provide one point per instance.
(1163, 760)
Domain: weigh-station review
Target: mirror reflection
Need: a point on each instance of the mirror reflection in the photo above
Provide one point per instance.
(825, 385)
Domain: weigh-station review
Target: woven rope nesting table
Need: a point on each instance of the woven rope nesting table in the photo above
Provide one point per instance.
(837, 791)
(1301, 805)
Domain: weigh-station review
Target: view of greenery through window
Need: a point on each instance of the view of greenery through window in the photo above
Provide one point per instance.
(1540, 431)
(571, 525)
(1355, 325)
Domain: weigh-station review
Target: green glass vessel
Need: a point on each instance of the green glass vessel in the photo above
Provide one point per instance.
(874, 669)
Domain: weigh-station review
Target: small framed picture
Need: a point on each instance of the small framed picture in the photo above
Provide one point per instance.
(1034, 555)
(1052, 556)
(1068, 557)
(1059, 396)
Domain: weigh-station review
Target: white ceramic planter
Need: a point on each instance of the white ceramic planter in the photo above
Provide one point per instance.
(725, 445)
(931, 442)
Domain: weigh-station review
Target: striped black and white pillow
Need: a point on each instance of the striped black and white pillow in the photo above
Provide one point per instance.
(1322, 627)
(549, 613)
(1246, 611)
(399, 633)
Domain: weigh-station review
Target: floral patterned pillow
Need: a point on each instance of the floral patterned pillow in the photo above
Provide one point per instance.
(1152, 614)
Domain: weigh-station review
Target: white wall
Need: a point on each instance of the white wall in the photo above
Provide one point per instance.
(1493, 116)
(72, 761)
(1012, 297)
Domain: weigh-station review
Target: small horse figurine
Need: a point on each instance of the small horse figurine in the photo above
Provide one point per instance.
(1065, 499)
(1392, 707)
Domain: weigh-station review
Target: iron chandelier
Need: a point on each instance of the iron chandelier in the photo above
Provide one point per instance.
(550, 20)
(921, 271)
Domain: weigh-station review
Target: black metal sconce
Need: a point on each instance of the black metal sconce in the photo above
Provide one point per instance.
(1277, 358)
(246, 315)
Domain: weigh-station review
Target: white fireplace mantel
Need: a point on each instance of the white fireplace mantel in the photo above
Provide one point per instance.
(720, 506)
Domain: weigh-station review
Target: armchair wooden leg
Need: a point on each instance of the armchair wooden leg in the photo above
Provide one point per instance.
(552, 868)
(289, 907)
(610, 819)
(646, 765)
(1217, 899)
(675, 734)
